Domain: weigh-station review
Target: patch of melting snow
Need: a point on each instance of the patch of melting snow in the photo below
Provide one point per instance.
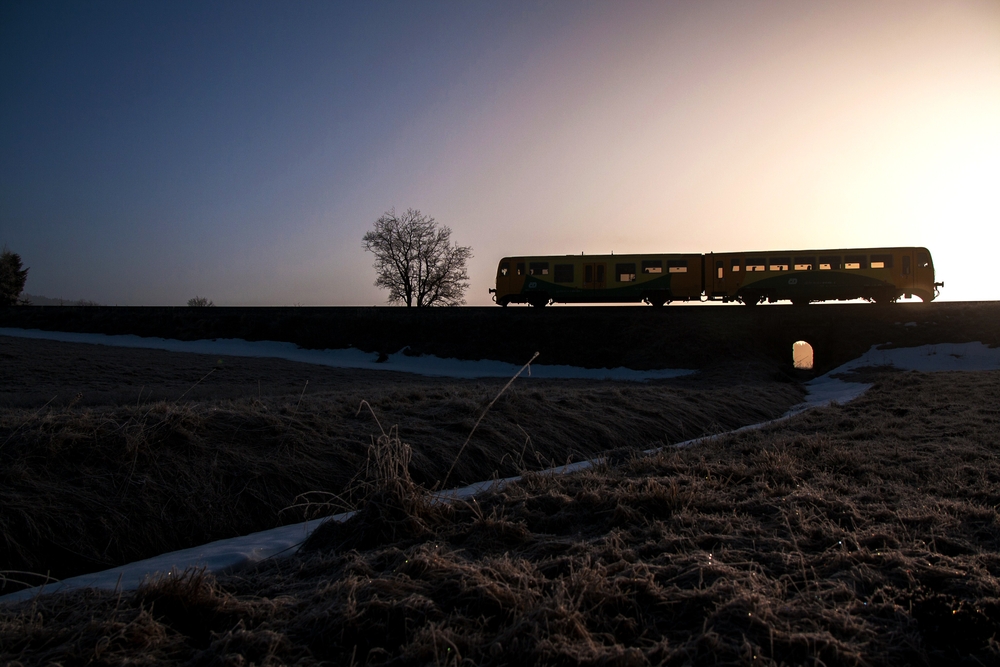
(928, 358)
(219, 557)
(428, 365)
(231, 554)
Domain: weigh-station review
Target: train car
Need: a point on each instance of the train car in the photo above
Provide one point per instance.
(882, 275)
(652, 278)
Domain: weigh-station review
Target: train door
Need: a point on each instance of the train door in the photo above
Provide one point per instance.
(503, 277)
(715, 283)
(906, 271)
(593, 276)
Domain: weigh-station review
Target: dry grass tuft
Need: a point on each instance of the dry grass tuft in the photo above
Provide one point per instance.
(387, 505)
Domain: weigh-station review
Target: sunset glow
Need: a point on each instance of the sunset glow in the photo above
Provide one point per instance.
(243, 154)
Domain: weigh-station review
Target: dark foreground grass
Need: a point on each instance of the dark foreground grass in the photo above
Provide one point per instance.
(86, 488)
(864, 534)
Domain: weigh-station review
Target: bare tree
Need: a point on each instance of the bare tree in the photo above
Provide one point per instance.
(199, 302)
(12, 277)
(416, 261)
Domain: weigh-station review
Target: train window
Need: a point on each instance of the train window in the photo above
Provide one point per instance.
(778, 264)
(564, 273)
(538, 269)
(677, 266)
(625, 272)
(718, 270)
(756, 264)
(652, 266)
(923, 260)
(520, 268)
(829, 262)
(881, 261)
(855, 262)
(503, 268)
(735, 264)
(805, 263)
(906, 265)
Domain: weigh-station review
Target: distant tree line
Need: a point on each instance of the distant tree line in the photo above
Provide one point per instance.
(39, 300)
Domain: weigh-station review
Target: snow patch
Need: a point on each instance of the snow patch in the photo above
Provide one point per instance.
(928, 358)
(427, 365)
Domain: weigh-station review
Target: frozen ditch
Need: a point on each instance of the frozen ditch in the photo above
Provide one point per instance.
(231, 554)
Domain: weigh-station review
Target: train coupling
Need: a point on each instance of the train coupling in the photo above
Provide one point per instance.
(937, 288)
(492, 291)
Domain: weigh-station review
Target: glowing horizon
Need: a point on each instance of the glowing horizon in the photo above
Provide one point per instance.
(243, 155)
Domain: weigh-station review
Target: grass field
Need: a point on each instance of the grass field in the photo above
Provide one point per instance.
(110, 456)
(859, 534)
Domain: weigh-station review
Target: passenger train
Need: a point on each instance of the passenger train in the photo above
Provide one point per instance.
(882, 275)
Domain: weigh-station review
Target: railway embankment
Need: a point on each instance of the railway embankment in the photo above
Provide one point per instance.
(680, 336)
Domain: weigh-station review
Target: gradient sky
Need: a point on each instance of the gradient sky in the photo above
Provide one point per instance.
(153, 151)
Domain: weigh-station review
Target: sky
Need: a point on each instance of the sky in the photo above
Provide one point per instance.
(151, 152)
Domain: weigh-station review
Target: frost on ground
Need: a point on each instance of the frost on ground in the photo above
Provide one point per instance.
(230, 554)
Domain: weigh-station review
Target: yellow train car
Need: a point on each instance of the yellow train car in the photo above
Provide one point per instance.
(653, 278)
(882, 275)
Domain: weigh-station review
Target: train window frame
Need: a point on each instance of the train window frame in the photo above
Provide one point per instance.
(881, 261)
(778, 263)
(829, 262)
(652, 266)
(804, 263)
(520, 269)
(677, 266)
(734, 264)
(538, 268)
(720, 270)
(625, 272)
(923, 260)
(563, 273)
(504, 268)
(855, 262)
(756, 264)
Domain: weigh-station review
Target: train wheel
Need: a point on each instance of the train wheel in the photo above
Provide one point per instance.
(539, 300)
(800, 302)
(656, 300)
(886, 298)
(750, 299)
